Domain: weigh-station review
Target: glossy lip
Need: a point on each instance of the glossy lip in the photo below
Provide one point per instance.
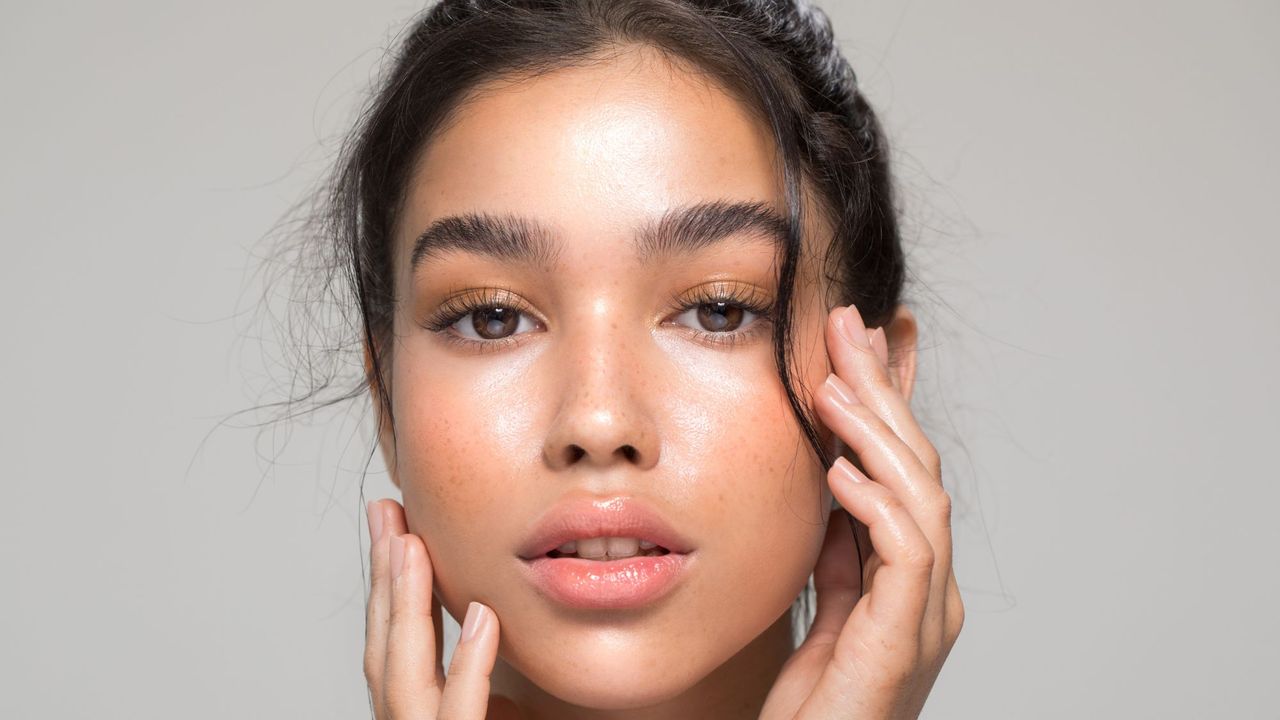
(589, 518)
(607, 584)
(604, 584)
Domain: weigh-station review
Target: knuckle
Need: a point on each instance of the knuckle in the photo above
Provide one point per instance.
(932, 460)
(942, 504)
(888, 503)
(921, 557)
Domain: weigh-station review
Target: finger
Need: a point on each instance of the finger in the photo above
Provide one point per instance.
(466, 692)
(900, 595)
(383, 524)
(876, 655)
(395, 511)
(393, 518)
(411, 686)
(836, 580)
(875, 386)
(891, 463)
(859, 364)
(928, 504)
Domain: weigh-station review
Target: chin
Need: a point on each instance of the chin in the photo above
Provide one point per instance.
(612, 669)
(612, 687)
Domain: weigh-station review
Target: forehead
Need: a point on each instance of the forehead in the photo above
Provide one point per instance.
(594, 151)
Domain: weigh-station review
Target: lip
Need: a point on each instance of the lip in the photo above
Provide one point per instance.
(605, 584)
(587, 518)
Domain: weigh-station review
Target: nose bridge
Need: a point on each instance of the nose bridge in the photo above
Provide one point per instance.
(602, 417)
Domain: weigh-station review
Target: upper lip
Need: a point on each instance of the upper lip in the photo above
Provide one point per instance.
(580, 518)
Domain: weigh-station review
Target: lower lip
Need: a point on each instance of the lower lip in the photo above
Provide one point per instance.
(607, 584)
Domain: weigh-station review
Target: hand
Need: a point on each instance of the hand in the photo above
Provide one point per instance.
(878, 640)
(403, 641)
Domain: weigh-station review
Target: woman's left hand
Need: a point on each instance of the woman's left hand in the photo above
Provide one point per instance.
(878, 641)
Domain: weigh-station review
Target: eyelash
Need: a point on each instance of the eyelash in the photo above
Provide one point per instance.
(743, 299)
(459, 306)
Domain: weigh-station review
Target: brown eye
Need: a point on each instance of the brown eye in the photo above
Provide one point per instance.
(719, 316)
(492, 322)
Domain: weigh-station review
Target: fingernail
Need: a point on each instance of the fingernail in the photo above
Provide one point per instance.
(842, 390)
(375, 520)
(397, 555)
(476, 614)
(848, 470)
(849, 323)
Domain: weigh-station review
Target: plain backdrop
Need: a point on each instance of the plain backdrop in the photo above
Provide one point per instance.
(1091, 191)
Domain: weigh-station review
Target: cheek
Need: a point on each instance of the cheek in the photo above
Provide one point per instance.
(758, 491)
(763, 490)
(460, 451)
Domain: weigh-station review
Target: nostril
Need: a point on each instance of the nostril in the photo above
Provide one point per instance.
(629, 452)
(576, 453)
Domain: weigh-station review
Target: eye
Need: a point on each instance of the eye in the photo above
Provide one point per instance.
(492, 323)
(717, 317)
(725, 313)
(486, 318)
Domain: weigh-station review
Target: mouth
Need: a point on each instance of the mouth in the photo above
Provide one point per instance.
(614, 554)
(604, 549)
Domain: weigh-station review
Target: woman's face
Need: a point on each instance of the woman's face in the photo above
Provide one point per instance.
(558, 343)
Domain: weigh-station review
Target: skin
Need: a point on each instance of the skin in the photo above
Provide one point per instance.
(609, 355)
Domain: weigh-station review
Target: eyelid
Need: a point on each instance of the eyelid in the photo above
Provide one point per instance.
(744, 295)
(459, 304)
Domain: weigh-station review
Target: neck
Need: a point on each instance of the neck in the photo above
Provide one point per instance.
(735, 690)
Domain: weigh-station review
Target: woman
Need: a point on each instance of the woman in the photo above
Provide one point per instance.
(629, 281)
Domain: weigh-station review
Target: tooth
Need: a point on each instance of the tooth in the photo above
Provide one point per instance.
(622, 547)
(568, 548)
(592, 548)
(646, 545)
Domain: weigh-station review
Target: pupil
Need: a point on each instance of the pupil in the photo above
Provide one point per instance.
(495, 322)
(722, 316)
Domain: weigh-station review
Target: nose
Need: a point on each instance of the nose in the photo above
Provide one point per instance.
(603, 417)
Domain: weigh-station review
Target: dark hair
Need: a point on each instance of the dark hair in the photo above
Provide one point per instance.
(779, 57)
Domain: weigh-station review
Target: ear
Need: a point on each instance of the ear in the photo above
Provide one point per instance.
(386, 438)
(901, 334)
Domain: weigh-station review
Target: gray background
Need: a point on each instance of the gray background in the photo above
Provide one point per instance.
(1091, 189)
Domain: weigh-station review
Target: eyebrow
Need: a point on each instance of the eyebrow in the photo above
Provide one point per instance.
(680, 231)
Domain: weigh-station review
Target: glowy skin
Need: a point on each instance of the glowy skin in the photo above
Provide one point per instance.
(607, 354)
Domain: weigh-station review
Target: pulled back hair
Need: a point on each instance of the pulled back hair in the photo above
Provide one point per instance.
(778, 57)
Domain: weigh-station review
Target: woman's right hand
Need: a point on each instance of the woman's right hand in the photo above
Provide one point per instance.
(402, 656)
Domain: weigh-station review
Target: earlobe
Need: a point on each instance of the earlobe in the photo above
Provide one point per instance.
(902, 334)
